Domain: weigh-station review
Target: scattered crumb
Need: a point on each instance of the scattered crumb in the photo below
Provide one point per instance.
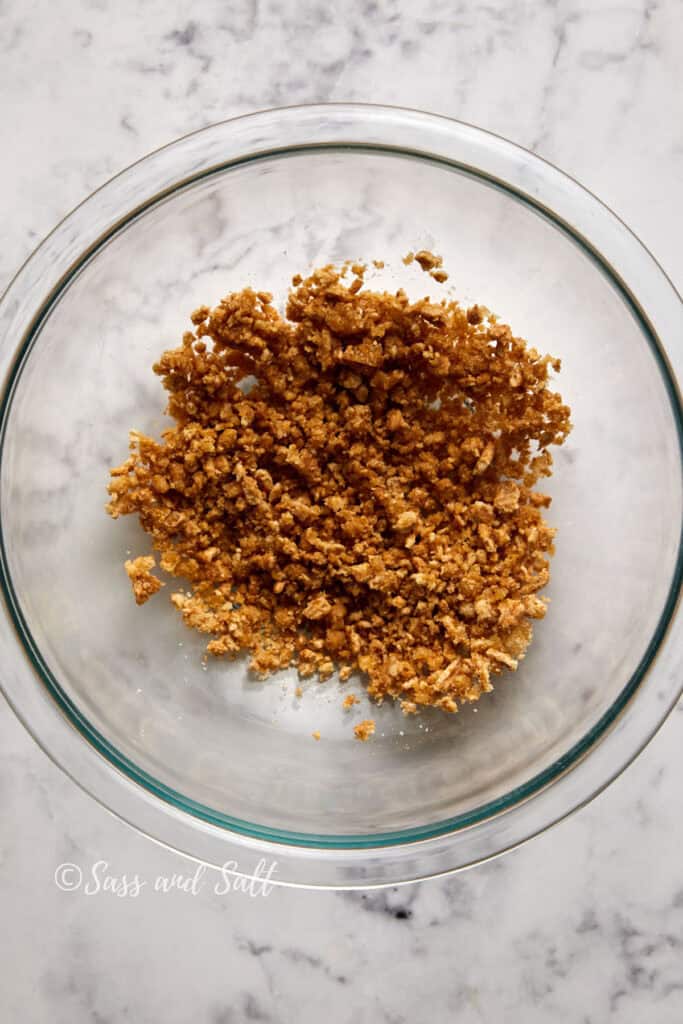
(427, 260)
(369, 504)
(349, 701)
(316, 735)
(364, 729)
(298, 692)
(140, 575)
(431, 264)
(378, 264)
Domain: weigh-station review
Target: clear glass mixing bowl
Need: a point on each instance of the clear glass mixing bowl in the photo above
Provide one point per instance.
(207, 760)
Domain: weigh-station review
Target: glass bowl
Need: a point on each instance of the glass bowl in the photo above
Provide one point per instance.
(207, 760)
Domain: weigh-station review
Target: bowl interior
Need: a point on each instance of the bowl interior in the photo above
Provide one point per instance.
(242, 749)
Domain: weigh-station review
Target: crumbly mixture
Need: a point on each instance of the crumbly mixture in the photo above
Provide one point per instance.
(350, 700)
(140, 575)
(364, 730)
(352, 486)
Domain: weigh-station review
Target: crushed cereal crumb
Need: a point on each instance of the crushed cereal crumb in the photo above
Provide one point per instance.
(364, 730)
(350, 700)
(140, 576)
(427, 260)
(368, 503)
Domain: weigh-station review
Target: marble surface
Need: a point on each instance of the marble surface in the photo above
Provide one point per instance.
(584, 924)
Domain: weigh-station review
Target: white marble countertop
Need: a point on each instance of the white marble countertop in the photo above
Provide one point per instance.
(584, 924)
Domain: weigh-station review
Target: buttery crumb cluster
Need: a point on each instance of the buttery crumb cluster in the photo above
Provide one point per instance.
(352, 487)
(145, 584)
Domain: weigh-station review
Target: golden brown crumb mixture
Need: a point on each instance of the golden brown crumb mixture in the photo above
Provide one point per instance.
(364, 730)
(350, 700)
(353, 486)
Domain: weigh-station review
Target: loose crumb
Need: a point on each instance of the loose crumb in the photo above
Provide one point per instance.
(139, 573)
(369, 503)
(427, 260)
(316, 735)
(364, 730)
(298, 692)
(349, 701)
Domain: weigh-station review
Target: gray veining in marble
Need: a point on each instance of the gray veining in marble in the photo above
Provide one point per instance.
(583, 925)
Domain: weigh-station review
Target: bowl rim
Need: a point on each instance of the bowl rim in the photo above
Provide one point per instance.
(27, 303)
